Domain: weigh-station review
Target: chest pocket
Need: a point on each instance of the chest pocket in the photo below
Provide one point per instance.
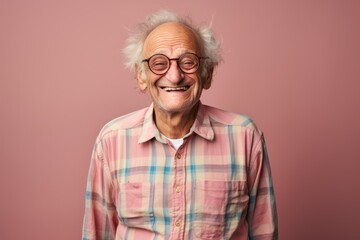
(217, 204)
(135, 208)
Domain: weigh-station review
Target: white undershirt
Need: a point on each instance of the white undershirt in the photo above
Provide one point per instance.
(176, 142)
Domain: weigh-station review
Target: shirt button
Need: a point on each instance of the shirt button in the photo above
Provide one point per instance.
(177, 223)
(178, 155)
(178, 189)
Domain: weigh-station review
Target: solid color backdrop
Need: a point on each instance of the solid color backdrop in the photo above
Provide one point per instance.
(293, 66)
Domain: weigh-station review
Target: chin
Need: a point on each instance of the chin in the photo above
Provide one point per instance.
(177, 108)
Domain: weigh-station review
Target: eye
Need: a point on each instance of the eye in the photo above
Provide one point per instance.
(188, 63)
(158, 63)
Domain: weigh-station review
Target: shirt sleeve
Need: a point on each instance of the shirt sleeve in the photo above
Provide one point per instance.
(100, 219)
(262, 215)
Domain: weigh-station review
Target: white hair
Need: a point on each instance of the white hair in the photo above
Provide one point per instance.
(210, 47)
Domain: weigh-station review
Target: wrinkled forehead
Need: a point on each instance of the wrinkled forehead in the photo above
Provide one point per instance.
(169, 37)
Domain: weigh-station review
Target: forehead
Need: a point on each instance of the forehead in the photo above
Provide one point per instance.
(169, 39)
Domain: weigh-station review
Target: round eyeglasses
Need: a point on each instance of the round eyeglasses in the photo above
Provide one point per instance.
(160, 63)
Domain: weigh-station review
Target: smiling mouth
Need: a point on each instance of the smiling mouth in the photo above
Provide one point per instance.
(175, 89)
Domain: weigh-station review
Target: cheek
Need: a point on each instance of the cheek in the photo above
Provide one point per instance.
(198, 84)
(152, 78)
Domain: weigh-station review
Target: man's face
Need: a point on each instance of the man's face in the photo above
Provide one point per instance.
(174, 91)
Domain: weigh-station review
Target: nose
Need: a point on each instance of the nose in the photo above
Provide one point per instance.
(174, 74)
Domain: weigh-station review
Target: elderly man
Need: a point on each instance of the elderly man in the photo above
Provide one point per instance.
(178, 169)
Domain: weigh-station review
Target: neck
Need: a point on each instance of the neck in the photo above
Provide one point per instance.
(177, 124)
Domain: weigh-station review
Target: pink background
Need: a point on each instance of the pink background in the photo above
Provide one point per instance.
(294, 66)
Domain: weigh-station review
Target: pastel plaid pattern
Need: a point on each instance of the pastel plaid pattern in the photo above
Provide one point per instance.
(217, 185)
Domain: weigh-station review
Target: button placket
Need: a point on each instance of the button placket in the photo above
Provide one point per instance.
(178, 195)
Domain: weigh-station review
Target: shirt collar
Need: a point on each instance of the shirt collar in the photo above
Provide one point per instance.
(201, 126)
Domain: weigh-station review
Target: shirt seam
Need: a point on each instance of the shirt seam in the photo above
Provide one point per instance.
(101, 158)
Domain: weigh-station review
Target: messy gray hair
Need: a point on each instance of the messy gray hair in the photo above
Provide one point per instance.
(205, 36)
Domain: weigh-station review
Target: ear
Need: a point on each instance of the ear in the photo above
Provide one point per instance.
(208, 78)
(140, 76)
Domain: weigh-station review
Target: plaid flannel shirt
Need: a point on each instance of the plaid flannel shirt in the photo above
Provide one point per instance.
(217, 185)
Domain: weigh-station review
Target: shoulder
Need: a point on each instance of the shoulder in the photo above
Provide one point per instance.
(223, 117)
(131, 120)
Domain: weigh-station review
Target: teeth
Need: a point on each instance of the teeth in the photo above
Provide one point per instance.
(170, 89)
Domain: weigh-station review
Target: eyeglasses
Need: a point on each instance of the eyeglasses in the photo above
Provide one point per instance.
(160, 63)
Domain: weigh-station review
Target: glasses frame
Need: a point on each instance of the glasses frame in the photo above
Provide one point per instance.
(177, 62)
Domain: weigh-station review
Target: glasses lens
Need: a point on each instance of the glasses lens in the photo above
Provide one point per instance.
(159, 63)
(189, 62)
